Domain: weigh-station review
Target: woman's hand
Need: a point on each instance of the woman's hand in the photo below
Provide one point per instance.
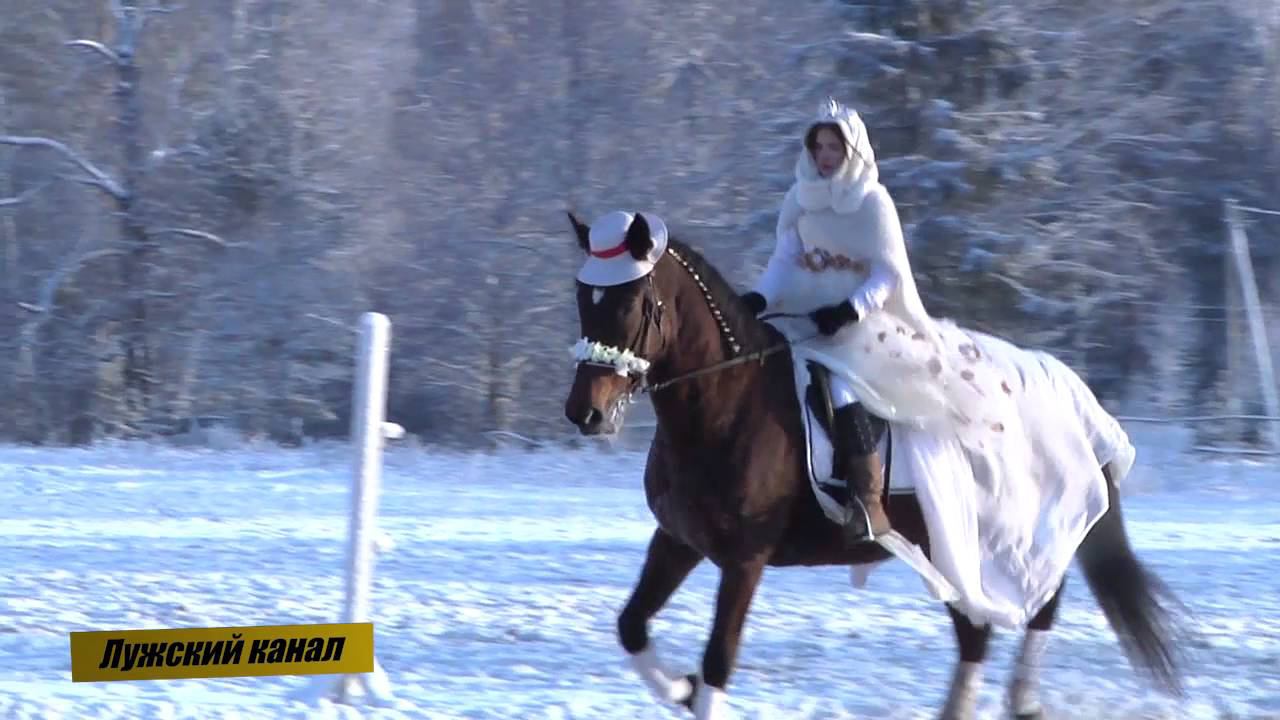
(755, 301)
(831, 318)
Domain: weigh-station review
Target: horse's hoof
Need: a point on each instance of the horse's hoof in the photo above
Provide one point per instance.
(693, 691)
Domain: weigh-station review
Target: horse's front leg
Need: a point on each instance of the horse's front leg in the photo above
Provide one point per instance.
(966, 682)
(1024, 688)
(666, 566)
(738, 583)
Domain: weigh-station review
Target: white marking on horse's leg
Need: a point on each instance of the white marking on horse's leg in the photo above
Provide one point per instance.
(1024, 689)
(666, 687)
(858, 574)
(597, 295)
(711, 703)
(962, 700)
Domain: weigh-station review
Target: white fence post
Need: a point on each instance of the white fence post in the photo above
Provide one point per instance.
(1257, 325)
(369, 430)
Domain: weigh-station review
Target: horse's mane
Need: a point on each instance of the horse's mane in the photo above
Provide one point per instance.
(751, 333)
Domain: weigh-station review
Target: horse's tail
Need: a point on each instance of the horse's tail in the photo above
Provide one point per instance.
(1129, 595)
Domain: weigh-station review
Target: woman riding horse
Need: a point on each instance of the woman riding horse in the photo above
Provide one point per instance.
(840, 257)
(838, 226)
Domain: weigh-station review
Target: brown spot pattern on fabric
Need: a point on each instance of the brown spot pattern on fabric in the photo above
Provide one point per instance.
(1004, 385)
(935, 366)
(820, 260)
(998, 426)
(881, 337)
(967, 375)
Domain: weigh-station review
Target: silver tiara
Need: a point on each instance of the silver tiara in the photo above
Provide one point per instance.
(831, 109)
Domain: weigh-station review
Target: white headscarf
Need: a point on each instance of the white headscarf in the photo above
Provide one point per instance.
(845, 189)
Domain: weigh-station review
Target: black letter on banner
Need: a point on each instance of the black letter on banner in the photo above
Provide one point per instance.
(212, 652)
(110, 659)
(256, 654)
(277, 651)
(315, 646)
(333, 651)
(153, 655)
(171, 657)
(231, 656)
(294, 651)
(191, 656)
(131, 651)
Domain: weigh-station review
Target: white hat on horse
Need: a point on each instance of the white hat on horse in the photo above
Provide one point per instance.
(611, 260)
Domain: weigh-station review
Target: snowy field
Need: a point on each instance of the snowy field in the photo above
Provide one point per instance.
(498, 597)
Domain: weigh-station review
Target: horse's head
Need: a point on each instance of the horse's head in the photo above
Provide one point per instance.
(620, 313)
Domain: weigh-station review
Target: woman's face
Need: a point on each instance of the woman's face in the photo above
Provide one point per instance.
(828, 151)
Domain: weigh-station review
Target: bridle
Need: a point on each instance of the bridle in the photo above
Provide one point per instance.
(651, 318)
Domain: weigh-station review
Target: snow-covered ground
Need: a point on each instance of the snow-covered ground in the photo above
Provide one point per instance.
(498, 597)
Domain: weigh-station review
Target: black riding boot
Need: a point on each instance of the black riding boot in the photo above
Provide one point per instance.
(858, 464)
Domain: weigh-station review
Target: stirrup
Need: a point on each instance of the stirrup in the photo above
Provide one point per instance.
(853, 510)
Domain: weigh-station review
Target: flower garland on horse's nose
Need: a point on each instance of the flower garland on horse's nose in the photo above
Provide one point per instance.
(623, 361)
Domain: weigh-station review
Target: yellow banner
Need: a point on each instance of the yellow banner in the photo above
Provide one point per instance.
(184, 653)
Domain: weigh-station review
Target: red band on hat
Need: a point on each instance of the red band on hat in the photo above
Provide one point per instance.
(611, 252)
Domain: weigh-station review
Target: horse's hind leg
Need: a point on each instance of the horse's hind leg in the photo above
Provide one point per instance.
(666, 566)
(1024, 688)
(962, 699)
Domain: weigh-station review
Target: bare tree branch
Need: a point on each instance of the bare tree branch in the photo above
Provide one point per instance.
(97, 177)
(23, 196)
(91, 182)
(49, 288)
(158, 9)
(198, 234)
(331, 321)
(97, 47)
(1259, 211)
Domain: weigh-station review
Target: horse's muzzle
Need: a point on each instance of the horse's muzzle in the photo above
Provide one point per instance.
(594, 404)
(593, 422)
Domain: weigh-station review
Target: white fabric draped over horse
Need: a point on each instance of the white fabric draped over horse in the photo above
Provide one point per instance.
(1003, 445)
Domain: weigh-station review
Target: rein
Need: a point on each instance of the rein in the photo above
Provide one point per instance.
(740, 360)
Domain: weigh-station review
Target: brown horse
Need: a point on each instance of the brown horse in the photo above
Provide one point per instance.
(727, 480)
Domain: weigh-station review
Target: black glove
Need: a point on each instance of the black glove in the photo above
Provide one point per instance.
(755, 301)
(833, 317)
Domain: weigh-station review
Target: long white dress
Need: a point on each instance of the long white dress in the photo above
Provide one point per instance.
(1003, 445)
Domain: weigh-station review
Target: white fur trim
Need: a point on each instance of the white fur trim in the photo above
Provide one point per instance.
(711, 704)
(623, 362)
(844, 191)
(607, 234)
(665, 686)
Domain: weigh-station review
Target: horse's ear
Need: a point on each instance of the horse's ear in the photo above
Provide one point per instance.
(639, 241)
(581, 230)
